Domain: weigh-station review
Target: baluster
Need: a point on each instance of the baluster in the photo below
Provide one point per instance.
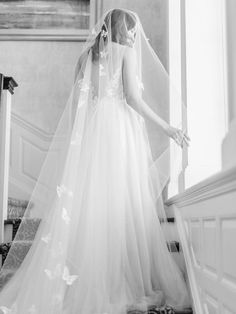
(7, 85)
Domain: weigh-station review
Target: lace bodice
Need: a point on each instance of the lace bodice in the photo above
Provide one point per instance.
(113, 87)
(105, 77)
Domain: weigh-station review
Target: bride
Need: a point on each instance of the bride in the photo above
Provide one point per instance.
(92, 227)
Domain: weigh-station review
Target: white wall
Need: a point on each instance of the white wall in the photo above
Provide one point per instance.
(44, 71)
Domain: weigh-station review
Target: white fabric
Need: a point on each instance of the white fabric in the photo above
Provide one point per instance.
(99, 248)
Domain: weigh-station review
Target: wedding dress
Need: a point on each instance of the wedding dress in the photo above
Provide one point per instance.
(99, 247)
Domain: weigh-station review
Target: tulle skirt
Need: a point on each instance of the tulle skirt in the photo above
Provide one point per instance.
(101, 249)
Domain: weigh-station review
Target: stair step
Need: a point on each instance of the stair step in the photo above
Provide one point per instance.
(14, 223)
(24, 246)
(168, 219)
(6, 277)
(185, 311)
(163, 310)
(29, 233)
(4, 249)
(174, 246)
(17, 207)
(24, 239)
(21, 247)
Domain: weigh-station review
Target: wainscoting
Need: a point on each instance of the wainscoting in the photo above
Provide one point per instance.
(206, 221)
(29, 146)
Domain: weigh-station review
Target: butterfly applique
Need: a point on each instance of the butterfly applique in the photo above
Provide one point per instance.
(65, 215)
(62, 189)
(101, 70)
(84, 88)
(69, 279)
(46, 238)
(55, 273)
(103, 54)
(77, 139)
(140, 84)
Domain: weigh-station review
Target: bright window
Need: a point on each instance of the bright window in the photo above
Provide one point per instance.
(206, 87)
(205, 81)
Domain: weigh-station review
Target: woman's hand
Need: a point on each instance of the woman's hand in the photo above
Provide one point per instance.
(178, 136)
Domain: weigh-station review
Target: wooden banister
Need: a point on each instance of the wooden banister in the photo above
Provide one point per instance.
(7, 85)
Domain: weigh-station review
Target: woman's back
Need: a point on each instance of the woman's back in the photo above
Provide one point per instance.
(106, 71)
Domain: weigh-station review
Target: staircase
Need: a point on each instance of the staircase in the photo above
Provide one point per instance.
(16, 210)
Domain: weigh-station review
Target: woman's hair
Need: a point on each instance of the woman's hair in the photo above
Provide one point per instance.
(118, 22)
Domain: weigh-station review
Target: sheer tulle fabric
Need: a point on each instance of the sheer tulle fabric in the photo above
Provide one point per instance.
(99, 247)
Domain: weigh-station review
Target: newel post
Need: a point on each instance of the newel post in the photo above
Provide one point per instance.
(7, 85)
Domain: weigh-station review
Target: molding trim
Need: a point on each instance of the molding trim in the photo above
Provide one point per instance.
(32, 128)
(43, 35)
(20, 185)
(24, 143)
(218, 184)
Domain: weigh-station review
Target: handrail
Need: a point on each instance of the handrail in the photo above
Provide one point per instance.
(7, 85)
(221, 182)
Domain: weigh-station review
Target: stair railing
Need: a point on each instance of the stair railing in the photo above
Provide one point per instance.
(7, 85)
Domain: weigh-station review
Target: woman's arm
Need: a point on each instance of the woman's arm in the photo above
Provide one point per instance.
(135, 100)
(132, 92)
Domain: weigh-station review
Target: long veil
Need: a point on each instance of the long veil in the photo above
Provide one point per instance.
(50, 215)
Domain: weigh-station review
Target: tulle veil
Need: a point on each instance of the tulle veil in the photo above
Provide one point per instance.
(53, 194)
